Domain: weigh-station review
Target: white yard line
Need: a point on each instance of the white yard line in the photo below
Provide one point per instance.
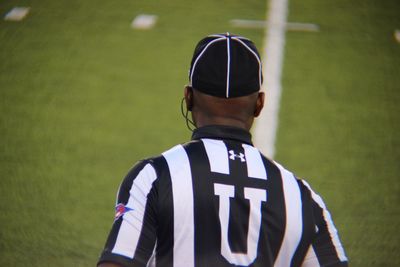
(266, 125)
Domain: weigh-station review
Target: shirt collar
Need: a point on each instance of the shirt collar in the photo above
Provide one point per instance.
(222, 132)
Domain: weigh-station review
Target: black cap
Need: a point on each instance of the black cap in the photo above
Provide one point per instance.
(225, 65)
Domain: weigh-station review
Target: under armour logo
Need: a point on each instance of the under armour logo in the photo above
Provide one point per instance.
(234, 156)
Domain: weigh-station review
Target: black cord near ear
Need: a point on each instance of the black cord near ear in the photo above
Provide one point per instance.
(185, 114)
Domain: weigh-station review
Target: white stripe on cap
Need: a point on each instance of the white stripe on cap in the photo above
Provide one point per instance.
(201, 54)
(228, 38)
(228, 67)
(216, 35)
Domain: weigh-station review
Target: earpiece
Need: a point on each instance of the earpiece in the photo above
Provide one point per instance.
(189, 98)
(185, 114)
(190, 104)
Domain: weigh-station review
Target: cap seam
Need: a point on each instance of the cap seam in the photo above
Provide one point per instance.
(228, 67)
(201, 54)
(256, 56)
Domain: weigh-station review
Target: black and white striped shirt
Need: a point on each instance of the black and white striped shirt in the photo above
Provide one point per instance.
(217, 202)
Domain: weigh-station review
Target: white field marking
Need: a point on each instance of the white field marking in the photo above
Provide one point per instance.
(274, 41)
(302, 27)
(397, 35)
(260, 24)
(17, 13)
(246, 23)
(144, 21)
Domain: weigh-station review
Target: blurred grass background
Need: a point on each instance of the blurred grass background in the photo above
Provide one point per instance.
(83, 96)
(340, 119)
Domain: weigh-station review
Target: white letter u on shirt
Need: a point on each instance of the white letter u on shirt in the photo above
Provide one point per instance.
(256, 197)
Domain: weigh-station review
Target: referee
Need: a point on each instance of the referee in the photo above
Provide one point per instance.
(217, 201)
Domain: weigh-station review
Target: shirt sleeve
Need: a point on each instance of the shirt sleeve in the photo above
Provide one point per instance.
(132, 238)
(326, 248)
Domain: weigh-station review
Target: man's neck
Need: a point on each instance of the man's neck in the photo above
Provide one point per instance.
(224, 121)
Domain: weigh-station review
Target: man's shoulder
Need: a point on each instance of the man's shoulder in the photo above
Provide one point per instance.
(159, 162)
(301, 182)
(176, 150)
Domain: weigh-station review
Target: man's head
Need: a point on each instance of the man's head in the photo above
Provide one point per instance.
(225, 78)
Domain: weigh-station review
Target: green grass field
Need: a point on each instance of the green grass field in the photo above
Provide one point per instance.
(340, 119)
(83, 97)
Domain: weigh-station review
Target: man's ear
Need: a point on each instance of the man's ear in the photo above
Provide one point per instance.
(189, 97)
(259, 104)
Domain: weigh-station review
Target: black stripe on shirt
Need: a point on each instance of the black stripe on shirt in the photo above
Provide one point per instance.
(323, 245)
(207, 231)
(275, 219)
(165, 215)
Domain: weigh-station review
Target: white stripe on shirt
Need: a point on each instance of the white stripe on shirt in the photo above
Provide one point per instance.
(294, 218)
(217, 154)
(331, 227)
(255, 165)
(132, 221)
(182, 191)
(310, 259)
